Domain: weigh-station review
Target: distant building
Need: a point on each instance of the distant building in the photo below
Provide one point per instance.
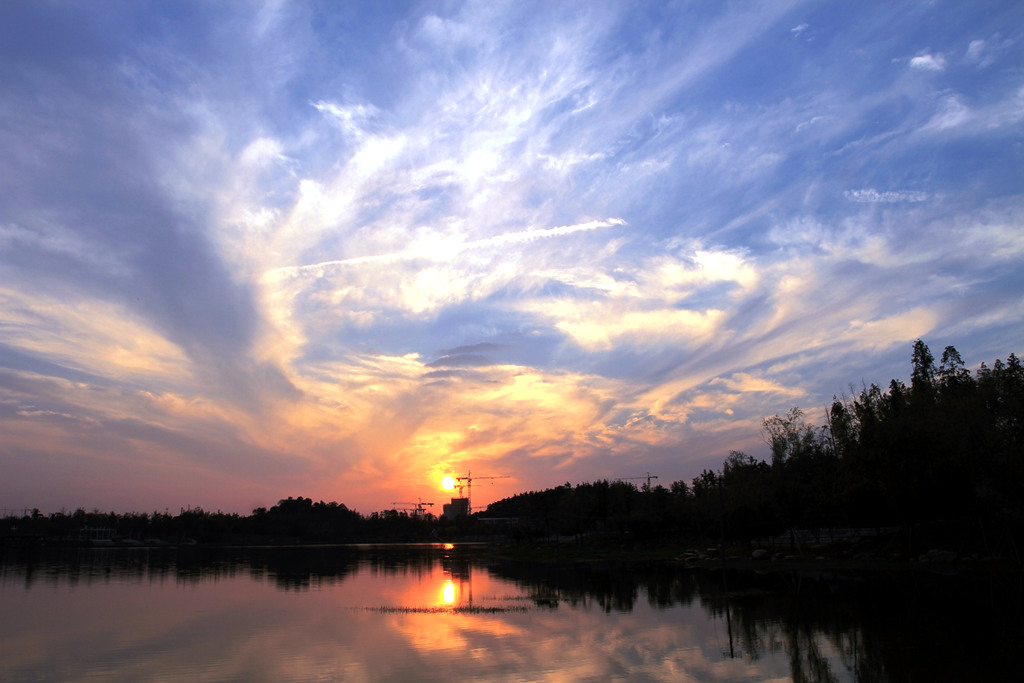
(456, 508)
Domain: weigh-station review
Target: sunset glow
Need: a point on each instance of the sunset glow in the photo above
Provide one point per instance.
(255, 250)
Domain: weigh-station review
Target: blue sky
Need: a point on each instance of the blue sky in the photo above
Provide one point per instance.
(251, 250)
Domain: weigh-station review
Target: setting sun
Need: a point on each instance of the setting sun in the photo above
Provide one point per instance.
(448, 483)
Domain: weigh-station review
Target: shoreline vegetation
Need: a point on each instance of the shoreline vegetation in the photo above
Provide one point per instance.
(929, 475)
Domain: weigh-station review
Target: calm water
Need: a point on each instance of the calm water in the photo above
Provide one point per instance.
(435, 614)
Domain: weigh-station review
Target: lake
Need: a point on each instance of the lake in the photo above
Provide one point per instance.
(436, 613)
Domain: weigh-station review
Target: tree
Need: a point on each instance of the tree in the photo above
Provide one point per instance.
(789, 436)
(747, 497)
(953, 376)
(923, 375)
(804, 471)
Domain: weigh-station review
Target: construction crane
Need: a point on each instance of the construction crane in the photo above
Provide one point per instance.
(416, 508)
(648, 478)
(469, 486)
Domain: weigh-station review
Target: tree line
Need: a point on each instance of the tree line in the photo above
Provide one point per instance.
(292, 520)
(942, 457)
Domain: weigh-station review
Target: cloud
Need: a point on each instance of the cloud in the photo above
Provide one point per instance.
(985, 52)
(873, 196)
(742, 382)
(927, 62)
(953, 116)
(352, 120)
(875, 334)
(461, 360)
(600, 328)
(952, 113)
(447, 251)
(975, 51)
(448, 34)
(109, 231)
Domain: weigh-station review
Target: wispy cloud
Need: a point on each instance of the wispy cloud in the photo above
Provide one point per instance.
(450, 249)
(873, 196)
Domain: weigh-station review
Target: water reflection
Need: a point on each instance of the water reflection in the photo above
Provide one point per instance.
(290, 567)
(458, 585)
(432, 612)
(828, 627)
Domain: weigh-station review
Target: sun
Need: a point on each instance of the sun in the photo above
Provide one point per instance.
(448, 483)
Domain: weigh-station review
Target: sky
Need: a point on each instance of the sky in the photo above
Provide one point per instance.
(253, 250)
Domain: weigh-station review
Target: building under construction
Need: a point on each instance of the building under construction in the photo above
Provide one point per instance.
(456, 508)
(461, 506)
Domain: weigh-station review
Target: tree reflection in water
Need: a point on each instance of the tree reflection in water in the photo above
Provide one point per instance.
(909, 626)
(829, 627)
